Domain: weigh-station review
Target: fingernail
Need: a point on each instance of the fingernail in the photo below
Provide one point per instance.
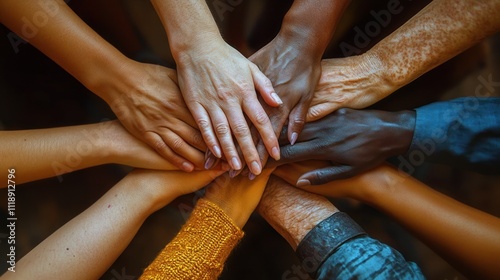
(294, 137)
(303, 183)
(235, 163)
(255, 167)
(276, 98)
(209, 163)
(216, 151)
(251, 176)
(188, 167)
(275, 153)
(233, 173)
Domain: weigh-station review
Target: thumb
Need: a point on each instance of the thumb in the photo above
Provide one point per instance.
(264, 86)
(325, 175)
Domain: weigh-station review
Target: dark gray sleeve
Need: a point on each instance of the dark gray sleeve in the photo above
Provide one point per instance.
(337, 248)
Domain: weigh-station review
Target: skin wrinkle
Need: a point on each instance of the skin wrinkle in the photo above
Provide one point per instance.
(291, 212)
(453, 23)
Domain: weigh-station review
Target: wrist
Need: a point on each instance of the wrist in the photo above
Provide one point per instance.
(189, 25)
(136, 190)
(196, 45)
(293, 212)
(235, 213)
(114, 141)
(302, 39)
(387, 78)
(378, 184)
(404, 128)
(356, 80)
(312, 24)
(394, 130)
(150, 189)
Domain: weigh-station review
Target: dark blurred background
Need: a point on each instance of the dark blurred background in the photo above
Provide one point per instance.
(37, 93)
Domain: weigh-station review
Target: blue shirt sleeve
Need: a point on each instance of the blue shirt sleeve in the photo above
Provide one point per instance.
(463, 133)
(367, 258)
(338, 248)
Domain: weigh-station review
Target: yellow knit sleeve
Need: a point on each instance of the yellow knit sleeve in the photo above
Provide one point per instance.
(201, 247)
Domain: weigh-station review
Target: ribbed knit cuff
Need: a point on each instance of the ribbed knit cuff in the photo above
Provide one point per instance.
(201, 247)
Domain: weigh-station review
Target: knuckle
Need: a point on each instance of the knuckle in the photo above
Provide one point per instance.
(287, 152)
(261, 118)
(321, 177)
(222, 129)
(159, 145)
(177, 144)
(246, 90)
(240, 130)
(224, 95)
(197, 138)
(299, 122)
(203, 124)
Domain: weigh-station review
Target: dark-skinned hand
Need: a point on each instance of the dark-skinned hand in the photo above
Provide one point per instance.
(351, 140)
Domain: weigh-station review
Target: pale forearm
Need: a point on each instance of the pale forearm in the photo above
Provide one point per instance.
(441, 30)
(86, 246)
(187, 23)
(43, 153)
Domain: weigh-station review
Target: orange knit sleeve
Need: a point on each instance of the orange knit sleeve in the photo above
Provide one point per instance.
(201, 247)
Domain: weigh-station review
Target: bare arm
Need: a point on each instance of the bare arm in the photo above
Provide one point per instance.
(466, 237)
(328, 243)
(218, 83)
(291, 211)
(88, 244)
(202, 246)
(43, 153)
(441, 30)
(144, 97)
(292, 61)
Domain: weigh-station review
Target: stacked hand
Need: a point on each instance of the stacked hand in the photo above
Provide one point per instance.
(351, 140)
(150, 106)
(294, 74)
(219, 86)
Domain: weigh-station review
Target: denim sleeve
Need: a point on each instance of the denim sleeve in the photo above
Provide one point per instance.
(367, 258)
(463, 133)
(337, 248)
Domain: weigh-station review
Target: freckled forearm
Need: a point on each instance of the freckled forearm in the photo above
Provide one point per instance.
(441, 30)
